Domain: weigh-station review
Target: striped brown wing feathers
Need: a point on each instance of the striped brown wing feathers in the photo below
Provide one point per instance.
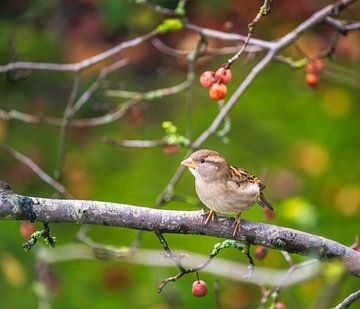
(241, 176)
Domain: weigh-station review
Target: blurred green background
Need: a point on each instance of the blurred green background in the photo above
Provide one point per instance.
(306, 140)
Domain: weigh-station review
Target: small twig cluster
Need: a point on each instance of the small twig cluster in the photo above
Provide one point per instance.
(217, 248)
(45, 233)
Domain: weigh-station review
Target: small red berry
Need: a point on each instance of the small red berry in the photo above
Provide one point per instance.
(199, 288)
(261, 252)
(280, 306)
(356, 245)
(116, 277)
(171, 149)
(315, 66)
(207, 79)
(356, 248)
(137, 114)
(312, 80)
(27, 229)
(223, 75)
(217, 92)
(269, 214)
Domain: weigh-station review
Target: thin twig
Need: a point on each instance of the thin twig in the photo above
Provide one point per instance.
(64, 126)
(152, 94)
(76, 67)
(174, 52)
(348, 301)
(100, 251)
(134, 143)
(167, 193)
(96, 85)
(38, 171)
(290, 271)
(184, 271)
(159, 8)
(174, 257)
(193, 57)
(275, 291)
(287, 258)
(225, 36)
(341, 26)
(111, 116)
(222, 133)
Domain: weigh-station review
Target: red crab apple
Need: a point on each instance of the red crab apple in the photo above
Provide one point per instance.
(280, 306)
(27, 229)
(207, 79)
(223, 75)
(217, 92)
(315, 66)
(199, 288)
(312, 80)
(260, 252)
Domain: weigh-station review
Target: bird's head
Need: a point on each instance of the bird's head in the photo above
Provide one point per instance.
(207, 164)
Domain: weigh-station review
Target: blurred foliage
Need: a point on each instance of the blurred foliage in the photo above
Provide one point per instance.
(307, 141)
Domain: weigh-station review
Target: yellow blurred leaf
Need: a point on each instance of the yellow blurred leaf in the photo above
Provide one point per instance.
(312, 158)
(347, 200)
(336, 103)
(298, 210)
(13, 270)
(237, 296)
(313, 285)
(333, 271)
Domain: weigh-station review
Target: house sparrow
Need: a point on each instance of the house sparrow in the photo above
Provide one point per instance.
(222, 187)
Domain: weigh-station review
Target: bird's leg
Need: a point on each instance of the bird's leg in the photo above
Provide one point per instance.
(209, 215)
(236, 224)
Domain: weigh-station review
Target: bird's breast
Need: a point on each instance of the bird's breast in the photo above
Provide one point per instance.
(227, 198)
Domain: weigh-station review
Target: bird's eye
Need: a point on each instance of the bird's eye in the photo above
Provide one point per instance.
(202, 161)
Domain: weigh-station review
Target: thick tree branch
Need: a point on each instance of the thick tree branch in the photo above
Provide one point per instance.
(171, 221)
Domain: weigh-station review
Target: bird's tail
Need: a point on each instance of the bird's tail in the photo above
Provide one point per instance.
(264, 203)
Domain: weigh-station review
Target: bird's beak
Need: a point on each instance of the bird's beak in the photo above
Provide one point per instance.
(189, 163)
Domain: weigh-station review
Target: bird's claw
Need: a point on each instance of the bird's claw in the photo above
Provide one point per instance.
(236, 225)
(209, 215)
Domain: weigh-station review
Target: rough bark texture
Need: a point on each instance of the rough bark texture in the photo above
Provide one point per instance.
(18, 207)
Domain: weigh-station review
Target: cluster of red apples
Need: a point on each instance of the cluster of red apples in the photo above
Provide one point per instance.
(216, 81)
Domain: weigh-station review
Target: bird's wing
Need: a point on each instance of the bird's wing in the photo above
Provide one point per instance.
(242, 176)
